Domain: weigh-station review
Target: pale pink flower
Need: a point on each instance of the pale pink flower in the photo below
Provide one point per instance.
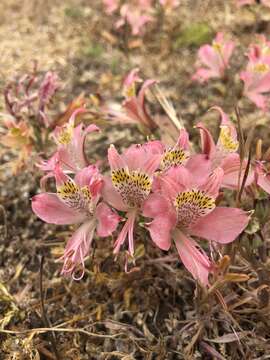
(111, 5)
(70, 153)
(77, 202)
(214, 59)
(130, 185)
(133, 108)
(224, 154)
(136, 15)
(185, 207)
(256, 77)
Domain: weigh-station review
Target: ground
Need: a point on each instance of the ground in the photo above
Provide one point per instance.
(158, 311)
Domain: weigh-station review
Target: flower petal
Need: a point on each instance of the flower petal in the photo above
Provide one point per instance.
(195, 260)
(222, 225)
(52, 210)
(107, 220)
(160, 231)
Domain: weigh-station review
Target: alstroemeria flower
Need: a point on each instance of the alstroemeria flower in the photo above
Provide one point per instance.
(214, 59)
(224, 153)
(76, 202)
(133, 107)
(130, 185)
(185, 207)
(70, 153)
(136, 15)
(256, 77)
(111, 5)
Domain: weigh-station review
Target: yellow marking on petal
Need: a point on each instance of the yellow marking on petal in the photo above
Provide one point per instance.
(86, 193)
(133, 186)
(66, 135)
(129, 91)
(191, 205)
(173, 158)
(217, 47)
(261, 68)
(226, 139)
(67, 190)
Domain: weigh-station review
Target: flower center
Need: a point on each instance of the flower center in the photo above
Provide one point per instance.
(75, 197)
(133, 186)
(226, 139)
(191, 205)
(173, 158)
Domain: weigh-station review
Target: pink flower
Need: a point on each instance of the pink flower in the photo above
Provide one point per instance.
(77, 202)
(185, 207)
(70, 153)
(136, 15)
(130, 185)
(134, 109)
(214, 59)
(256, 77)
(111, 5)
(224, 153)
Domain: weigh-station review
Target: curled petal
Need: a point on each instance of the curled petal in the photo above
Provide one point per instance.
(77, 249)
(207, 141)
(195, 260)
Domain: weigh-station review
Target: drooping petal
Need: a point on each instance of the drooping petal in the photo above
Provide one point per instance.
(51, 209)
(195, 260)
(222, 225)
(127, 231)
(77, 249)
(107, 220)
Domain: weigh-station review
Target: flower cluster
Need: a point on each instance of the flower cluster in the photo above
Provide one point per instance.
(213, 62)
(26, 123)
(172, 191)
(136, 13)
